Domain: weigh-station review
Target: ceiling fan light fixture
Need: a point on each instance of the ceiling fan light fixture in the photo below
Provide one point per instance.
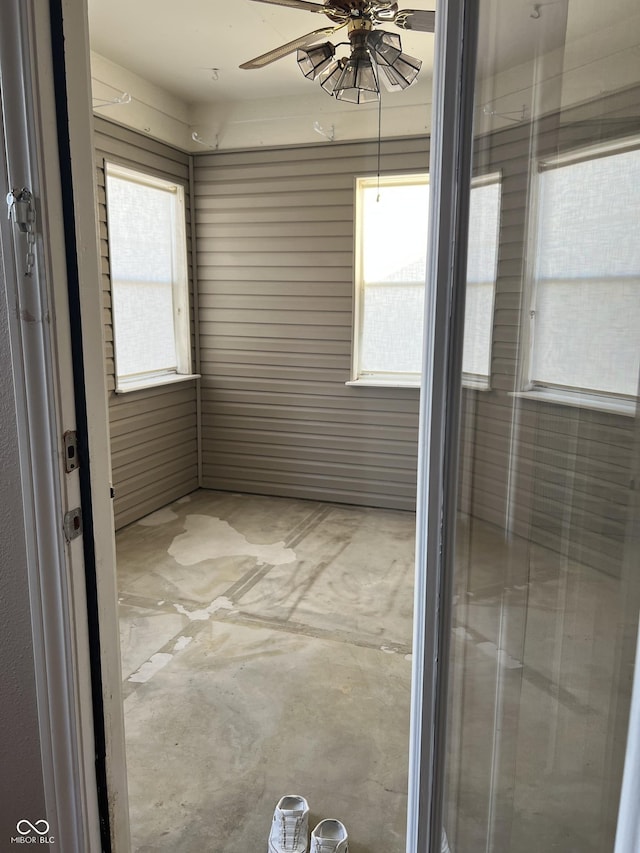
(314, 60)
(376, 55)
(358, 82)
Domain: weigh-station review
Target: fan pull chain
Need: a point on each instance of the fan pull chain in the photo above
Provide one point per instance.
(379, 140)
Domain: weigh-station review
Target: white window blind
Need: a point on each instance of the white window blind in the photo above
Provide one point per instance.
(482, 262)
(586, 310)
(147, 256)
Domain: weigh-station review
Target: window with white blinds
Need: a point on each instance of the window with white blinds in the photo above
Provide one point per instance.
(390, 271)
(482, 265)
(149, 282)
(585, 309)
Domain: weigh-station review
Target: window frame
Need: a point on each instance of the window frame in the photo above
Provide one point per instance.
(180, 285)
(568, 395)
(391, 379)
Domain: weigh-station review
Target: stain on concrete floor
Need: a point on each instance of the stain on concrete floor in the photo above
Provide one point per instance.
(266, 651)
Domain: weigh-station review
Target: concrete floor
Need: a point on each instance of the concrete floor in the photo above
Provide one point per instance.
(266, 650)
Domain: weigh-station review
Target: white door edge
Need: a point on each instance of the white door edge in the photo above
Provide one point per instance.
(81, 141)
(43, 368)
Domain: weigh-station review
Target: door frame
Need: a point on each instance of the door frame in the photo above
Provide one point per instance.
(42, 366)
(60, 388)
(72, 70)
(457, 24)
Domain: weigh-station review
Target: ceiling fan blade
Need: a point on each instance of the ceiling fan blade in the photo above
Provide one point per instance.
(415, 19)
(296, 4)
(289, 47)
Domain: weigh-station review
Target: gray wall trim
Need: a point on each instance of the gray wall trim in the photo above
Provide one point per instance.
(196, 313)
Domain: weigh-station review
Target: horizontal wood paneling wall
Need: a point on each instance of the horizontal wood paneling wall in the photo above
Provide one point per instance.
(552, 473)
(154, 449)
(275, 262)
(274, 238)
(274, 230)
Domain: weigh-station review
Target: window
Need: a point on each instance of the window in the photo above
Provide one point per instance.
(390, 273)
(482, 264)
(149, 280)
(585, 300)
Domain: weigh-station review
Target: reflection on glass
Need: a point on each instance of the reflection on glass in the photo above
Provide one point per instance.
(587, 277)
(482, 257)
(545, 610)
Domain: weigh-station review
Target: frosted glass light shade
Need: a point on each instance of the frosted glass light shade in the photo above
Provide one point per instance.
(405, 69)
(330, 76)
(385, 47)
(400, 74)
(315, 59)
(359, 80)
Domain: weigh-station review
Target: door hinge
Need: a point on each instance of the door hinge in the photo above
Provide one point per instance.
(22, 212)
(72, 523)
(71, 460)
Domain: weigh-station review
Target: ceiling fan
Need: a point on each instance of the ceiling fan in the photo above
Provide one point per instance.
(374, 54)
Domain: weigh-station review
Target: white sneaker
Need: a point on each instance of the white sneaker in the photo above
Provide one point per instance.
(329, 836)
(290, 826)
(444, 847)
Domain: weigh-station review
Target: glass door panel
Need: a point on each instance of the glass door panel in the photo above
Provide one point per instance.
(546, 590)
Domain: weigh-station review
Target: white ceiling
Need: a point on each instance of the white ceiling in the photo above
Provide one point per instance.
(577, 48)
(176, 44)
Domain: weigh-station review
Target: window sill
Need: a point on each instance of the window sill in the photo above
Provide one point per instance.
(155, 382)
(475, 383)
(612, 405)
(375, 382)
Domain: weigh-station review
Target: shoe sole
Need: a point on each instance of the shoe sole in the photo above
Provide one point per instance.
(271, 849)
